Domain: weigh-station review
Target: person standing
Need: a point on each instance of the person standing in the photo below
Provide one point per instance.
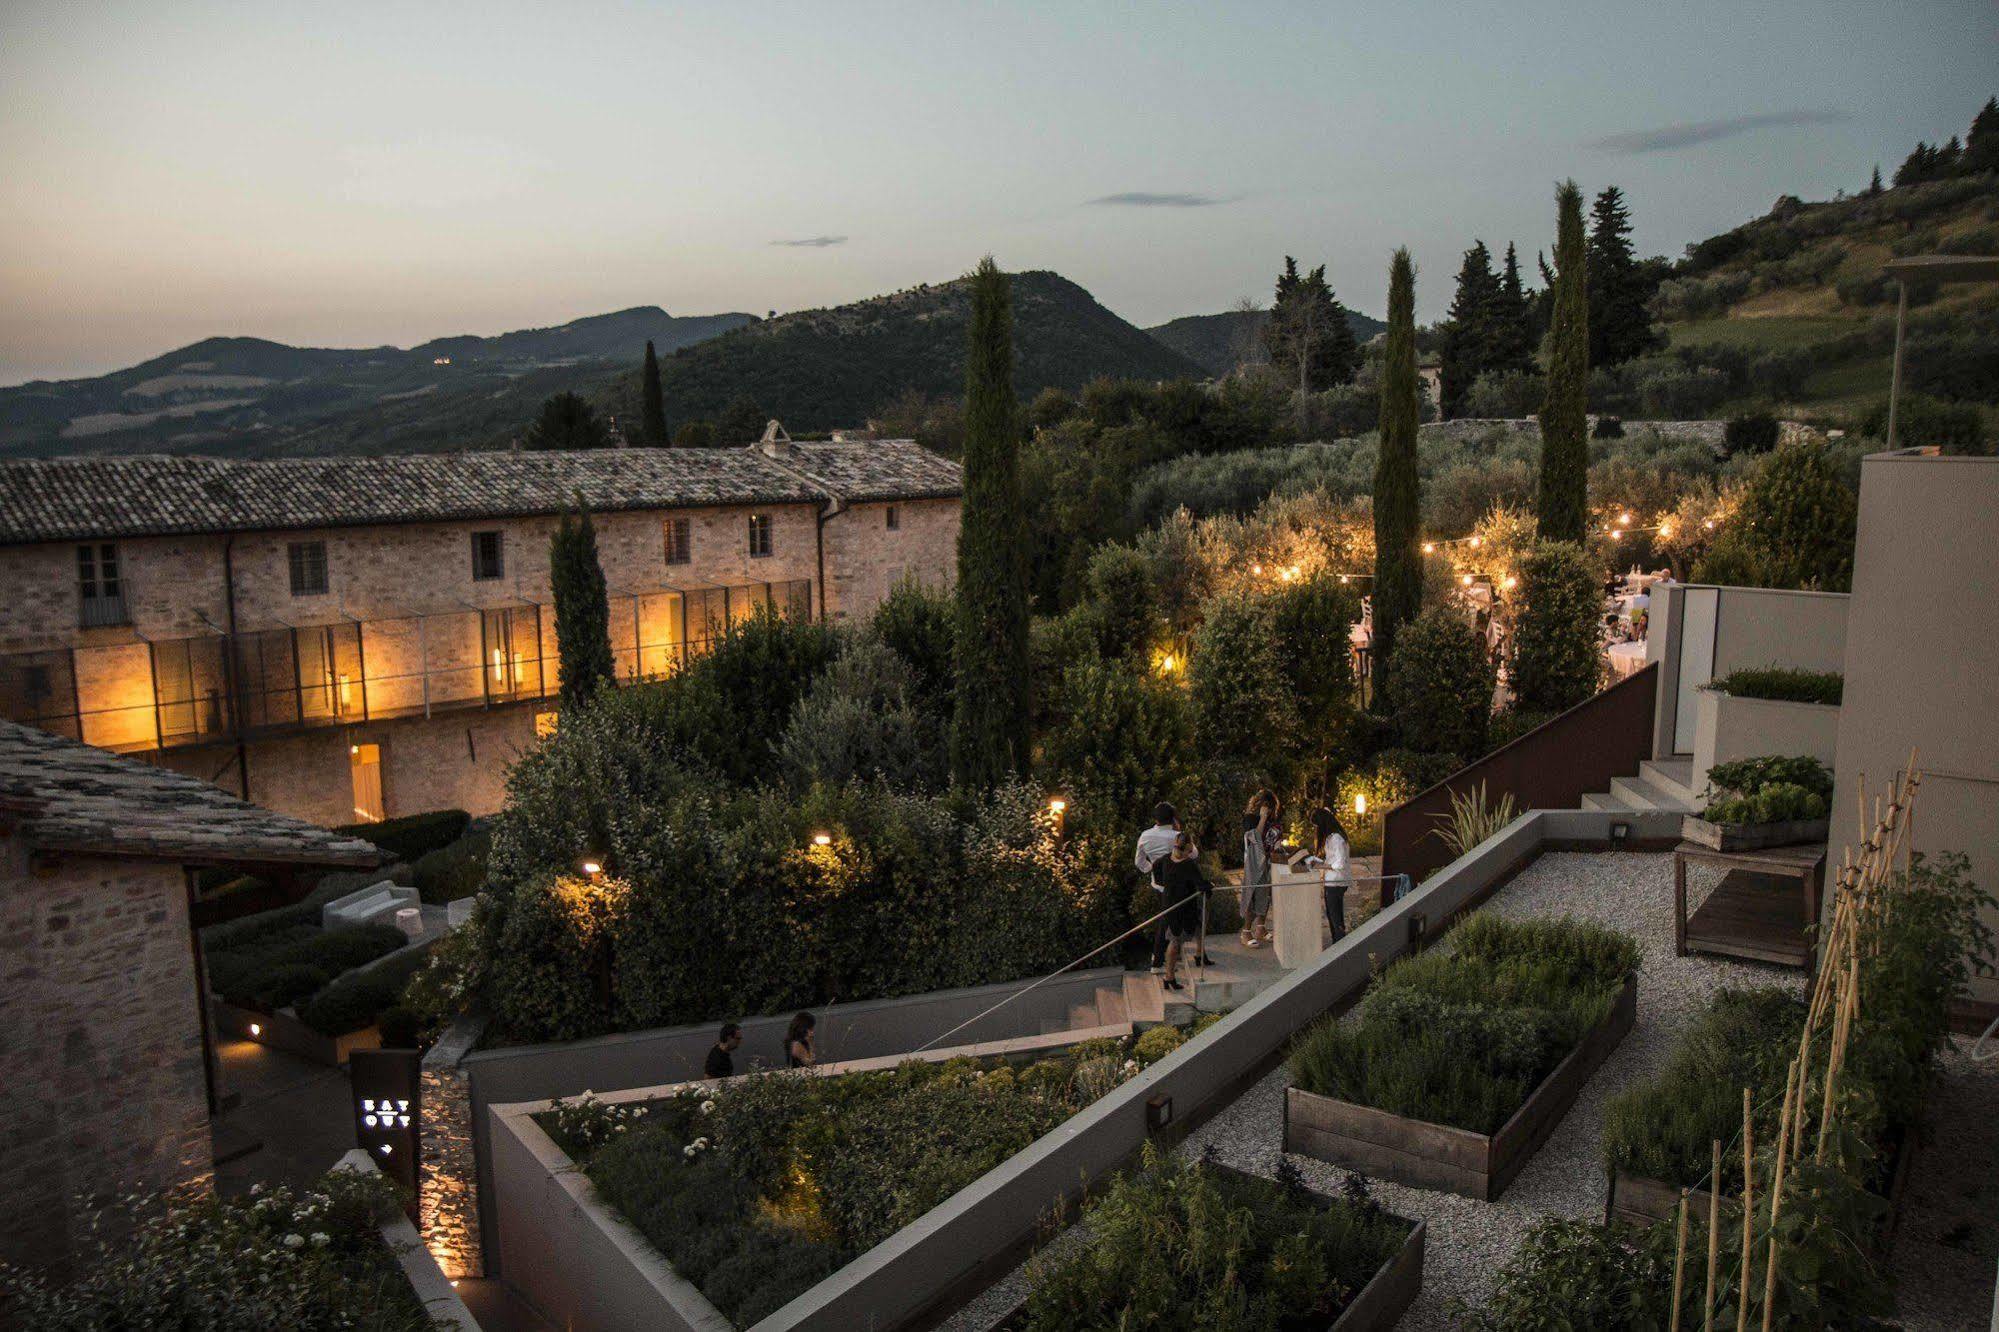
(798, 1052)
(1262, 835)
(1155, 846)
(1184, 885)
(1334, 862)
(721, 1061)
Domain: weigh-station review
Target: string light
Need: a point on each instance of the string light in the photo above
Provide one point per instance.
(1256, 569)
(1465, 579)
(1429, 548)
(1509, 582)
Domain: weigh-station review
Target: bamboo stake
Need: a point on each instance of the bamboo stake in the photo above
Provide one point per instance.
(1777, 1197)
(1713, 1236)
(1679, 1264)
(1748, 1210)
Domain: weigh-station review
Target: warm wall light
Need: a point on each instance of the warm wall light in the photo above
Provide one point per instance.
(1665, 531)
(256, 1029)
(353, 749)
(822, 839)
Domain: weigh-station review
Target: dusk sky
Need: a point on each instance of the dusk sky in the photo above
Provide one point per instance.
(356, 174)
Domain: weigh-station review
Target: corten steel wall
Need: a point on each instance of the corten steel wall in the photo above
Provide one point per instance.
(1919, 658)
(1551, 767)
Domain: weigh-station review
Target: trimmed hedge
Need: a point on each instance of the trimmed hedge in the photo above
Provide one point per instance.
(1781, 684)
(413, 835)
(286, 961)
(359, 999)
(454, 871)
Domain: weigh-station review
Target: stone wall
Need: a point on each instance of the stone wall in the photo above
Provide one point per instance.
(1469, 429)
(101, 1079)
(447, 1193)
(865, 558)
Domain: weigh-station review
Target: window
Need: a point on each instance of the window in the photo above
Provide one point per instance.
(759, 535)
(545, 724)
(308, 560)
(488, 556)
(101, 590)
(893, 518)
(679, 541)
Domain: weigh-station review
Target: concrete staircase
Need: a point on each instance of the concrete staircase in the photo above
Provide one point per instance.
(1662, 785)
(1234, 975)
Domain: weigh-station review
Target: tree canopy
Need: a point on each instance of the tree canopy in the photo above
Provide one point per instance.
(567, 421)
(1308, 337)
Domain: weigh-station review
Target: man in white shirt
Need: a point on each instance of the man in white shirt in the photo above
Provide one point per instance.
(1155, 845)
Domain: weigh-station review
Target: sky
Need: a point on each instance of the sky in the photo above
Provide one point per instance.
(358, 174)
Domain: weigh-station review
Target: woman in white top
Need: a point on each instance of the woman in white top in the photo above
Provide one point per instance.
(1335, 866)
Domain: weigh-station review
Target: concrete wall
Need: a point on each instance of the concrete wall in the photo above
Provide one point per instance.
(1919, 665)
(875, 1028)
(1752, 626)
(952, 1247)
(1729, 728)
(101, 1082)
(433, 1286)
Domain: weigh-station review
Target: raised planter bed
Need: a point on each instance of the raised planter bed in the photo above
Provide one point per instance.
(1437, 1156)
(1378, 1306)
(282, 1031)
(1754, 836)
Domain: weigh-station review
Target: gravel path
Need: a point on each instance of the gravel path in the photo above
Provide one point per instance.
(1947, 1248)
(1469, 1240)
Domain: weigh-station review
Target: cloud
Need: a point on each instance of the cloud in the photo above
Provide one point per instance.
(811, 242)
(1147, 199)
(1688, 134)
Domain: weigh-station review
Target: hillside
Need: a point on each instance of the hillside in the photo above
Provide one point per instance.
(249, 395)
(1799, 294)
(820, 369)
(1219, 342)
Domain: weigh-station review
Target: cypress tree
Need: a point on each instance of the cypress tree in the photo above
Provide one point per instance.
(1981, 144)
(582, 607)
(1620, 326)
(1512, 321)
(990, 725)
(1398, 562)
(1562, 502)
(567, 421)
(653, 422)
(1469, 333)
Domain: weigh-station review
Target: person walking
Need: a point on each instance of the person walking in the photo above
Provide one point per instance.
(1155, 846)
(1262, 835)
(798, 1051)
(1184, 886)
(1334, 861)
(721, 1061)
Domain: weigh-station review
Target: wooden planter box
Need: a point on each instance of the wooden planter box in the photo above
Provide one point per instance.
(1436, 1156)
(1378, 1307)
(1754, 836)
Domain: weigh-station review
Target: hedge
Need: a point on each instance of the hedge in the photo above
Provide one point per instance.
(454, 871)
(1782, 684)
(413, 835)
(360, 998)
(289, 961)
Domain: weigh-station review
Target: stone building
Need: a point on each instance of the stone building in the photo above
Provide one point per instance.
(346, 639)
(106, 1075)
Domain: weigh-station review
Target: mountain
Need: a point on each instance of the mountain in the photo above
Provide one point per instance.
(249, 395)
(1218, 343)
(819, 369)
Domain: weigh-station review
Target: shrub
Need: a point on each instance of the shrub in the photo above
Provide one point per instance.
(921, 626)
(1510, 723)
(1955, 427)
(1608, 427)
(863, 718)
(1393, 777)
(1189, 1245)
(1557, 642)
(288, 960)
(454, 871)
(1752, 432)
(1769, 789)
(401, 1029)
(1506, 395)
(413, 835)
(1235, 683)
(1156, 1043)
(1781, 683)
(549, 980)
(1463, 1037)
(357, 1000)
(1794, 529)
(310, 1260)
(1577, 1274)
(1440, 684)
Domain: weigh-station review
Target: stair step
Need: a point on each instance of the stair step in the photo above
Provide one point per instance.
(1144, 1000)
(1083, 1015)
(1637, 793)
(1673, 776)
(1599, 800)
(1110, 1006)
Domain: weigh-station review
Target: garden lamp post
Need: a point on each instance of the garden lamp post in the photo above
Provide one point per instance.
(1934, 268)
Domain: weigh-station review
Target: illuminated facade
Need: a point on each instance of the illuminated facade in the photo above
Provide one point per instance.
(347, 639)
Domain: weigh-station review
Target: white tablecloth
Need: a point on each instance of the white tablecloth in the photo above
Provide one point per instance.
(1626, 658)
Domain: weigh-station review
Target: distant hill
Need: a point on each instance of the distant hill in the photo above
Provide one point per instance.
(249, 395)
(1219, 342)
(819, 369)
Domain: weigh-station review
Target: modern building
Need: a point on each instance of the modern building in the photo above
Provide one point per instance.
(348, 639)
(106, 1070)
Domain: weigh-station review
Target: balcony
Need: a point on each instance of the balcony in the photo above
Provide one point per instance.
(210, 688)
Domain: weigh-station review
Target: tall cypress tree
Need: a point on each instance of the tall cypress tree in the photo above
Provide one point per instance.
(1469, 331)
(653, 422)
(582, 607)
(989, 728)
(1562, 504)
(1620, 325)
(1512, 320)
(1398, 562)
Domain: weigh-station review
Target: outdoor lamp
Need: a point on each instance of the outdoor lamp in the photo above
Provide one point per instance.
(822, 839)
(1465, 579)
(592, 868)
(1474, 543)
(1360, 804)
(1057, 806)
(1429, 548)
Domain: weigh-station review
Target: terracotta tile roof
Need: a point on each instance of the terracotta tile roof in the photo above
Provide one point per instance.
(62, 499)
(880, 469)
(61, 795)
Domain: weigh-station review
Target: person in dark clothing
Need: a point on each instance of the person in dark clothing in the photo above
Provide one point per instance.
(721, 1061)
(798, 1052)
(1184, 885)
(1155, 844)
